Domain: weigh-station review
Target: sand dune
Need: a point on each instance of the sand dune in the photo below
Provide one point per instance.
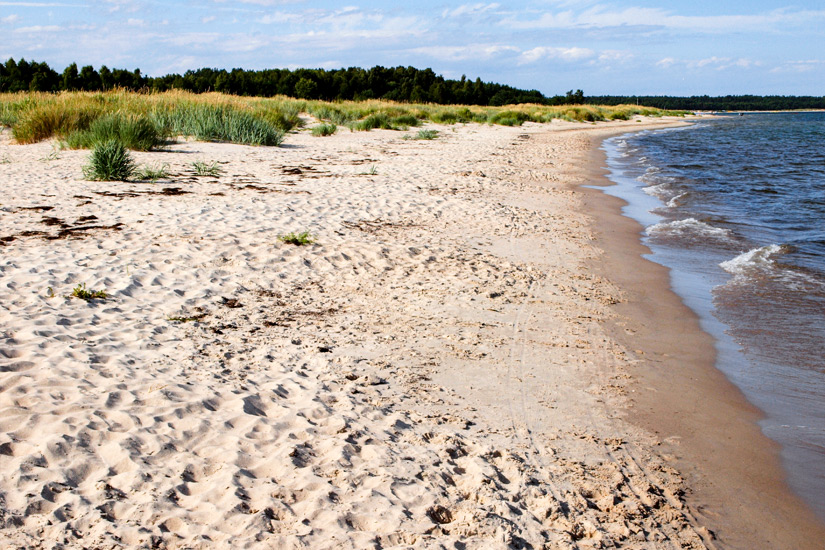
(431, 373)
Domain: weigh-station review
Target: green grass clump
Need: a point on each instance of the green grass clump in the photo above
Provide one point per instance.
(426, 134)
(324, 129)
(217, 123)
(377, 120)
(509, 118)
(109, 161)
(298, 239)
(134, 132)
(152, 173)
(207, 169)
(88, 295)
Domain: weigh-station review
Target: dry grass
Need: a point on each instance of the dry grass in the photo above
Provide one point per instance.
(263, 121)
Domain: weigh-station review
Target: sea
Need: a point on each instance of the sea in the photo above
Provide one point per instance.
(734, 206)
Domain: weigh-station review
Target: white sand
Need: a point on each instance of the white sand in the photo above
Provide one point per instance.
(432, 372)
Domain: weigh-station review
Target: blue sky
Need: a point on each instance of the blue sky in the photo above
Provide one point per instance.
(602, 47)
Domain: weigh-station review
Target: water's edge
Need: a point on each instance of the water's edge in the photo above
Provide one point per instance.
(696, 291)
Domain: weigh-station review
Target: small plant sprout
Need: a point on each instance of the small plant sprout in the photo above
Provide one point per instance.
(206, 169)
(373, 171)
(50, 292)
(5, 160)
(181, 319)
(88, 295)
(152, 173)
(54, 155)
(298, 239)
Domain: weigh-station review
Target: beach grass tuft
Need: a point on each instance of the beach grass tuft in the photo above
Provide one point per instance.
(134, 132)
(201, 168)
(152, 173)
(109, 161)
(426, 134)
(324, 129)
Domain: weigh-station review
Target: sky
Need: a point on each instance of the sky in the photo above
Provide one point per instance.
(611, 47)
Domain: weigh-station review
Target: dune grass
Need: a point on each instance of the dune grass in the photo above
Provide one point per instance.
(324, 129)
(134, 132)
(143, 121)
(83, 118)
(109, 161)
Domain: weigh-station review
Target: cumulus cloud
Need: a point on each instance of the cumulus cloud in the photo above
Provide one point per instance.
(10, 18)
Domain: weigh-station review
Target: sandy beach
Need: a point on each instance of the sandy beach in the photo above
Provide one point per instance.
(472, 354)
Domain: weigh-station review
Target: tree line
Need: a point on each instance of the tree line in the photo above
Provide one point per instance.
(406, 84)
(719, 103)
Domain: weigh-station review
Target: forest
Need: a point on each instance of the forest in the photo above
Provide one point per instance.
(403, 84)
(719, 103)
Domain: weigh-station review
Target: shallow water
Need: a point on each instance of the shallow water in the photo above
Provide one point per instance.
(735, 207)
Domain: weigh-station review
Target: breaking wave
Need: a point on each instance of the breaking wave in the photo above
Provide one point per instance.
(689, 229)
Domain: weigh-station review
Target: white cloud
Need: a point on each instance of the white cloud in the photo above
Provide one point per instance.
(262, 2)
(601, 17)
(463, 53)
(208, 19)
(565, 54)
(38, 28)
(615, 56)
(43, 5)
(280, 17)
(135, 22)
(711, 63)
(10, 18)
(799, 66)
(469, 10)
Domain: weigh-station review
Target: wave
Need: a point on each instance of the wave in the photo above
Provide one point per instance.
(690, 229)
(674, 202)
(757, 260)
(764, 263)
(661, 191)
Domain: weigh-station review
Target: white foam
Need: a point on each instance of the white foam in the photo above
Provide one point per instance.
(660, 191)
(674, 202)
(756, 259)
(690, 227)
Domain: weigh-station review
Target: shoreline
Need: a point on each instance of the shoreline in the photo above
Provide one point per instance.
(738, 484)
